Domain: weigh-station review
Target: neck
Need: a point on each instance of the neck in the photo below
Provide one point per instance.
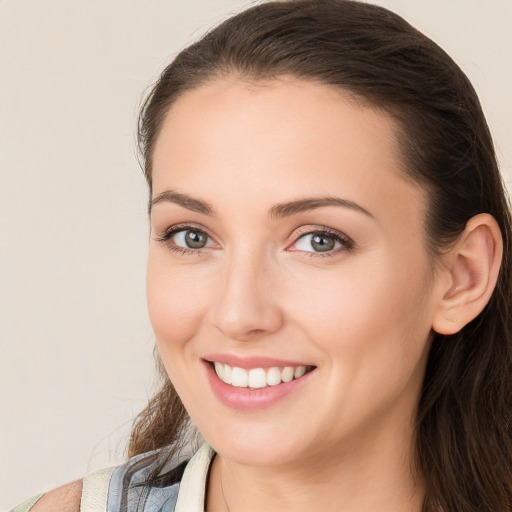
(375, 473)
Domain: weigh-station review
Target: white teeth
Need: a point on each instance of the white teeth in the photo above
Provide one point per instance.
(299, 371)
(226, 376)
(287, 374)
(219, 369)
(257, 378)
(239, 378)
(274, 376)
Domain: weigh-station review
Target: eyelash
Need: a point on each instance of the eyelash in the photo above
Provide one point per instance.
(166, 236)
(346, 242)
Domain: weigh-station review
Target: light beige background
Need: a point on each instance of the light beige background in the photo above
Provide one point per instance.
(76, 364)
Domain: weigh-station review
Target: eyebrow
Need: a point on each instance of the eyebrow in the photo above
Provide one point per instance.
(195, 205)
(312, 203)
(277, 211)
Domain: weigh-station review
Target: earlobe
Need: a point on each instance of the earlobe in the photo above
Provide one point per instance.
(473, 266)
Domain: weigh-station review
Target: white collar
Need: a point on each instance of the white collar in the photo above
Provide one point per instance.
(192, 492)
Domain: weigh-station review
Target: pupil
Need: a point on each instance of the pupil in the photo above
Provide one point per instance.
(322, 243)
(195, 240)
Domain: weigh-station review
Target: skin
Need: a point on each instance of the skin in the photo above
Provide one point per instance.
(65, 499)
(362, 316)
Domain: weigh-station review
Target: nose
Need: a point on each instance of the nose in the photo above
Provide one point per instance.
(246, 307)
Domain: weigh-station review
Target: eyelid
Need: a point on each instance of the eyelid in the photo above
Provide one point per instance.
(347, 244)
(175, 228)
(166, 235)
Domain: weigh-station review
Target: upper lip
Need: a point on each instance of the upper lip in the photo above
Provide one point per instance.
(248, 362)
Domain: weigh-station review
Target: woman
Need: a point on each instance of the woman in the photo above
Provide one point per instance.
(328, 276)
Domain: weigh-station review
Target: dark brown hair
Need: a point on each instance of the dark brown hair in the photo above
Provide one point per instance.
(463, 428)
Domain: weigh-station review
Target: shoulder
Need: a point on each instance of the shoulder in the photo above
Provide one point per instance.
(63, 499)
(149, 481)
(88, 494)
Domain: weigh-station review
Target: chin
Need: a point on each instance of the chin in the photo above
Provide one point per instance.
(256, 446)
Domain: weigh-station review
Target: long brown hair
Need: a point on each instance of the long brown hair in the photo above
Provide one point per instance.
(463, 439)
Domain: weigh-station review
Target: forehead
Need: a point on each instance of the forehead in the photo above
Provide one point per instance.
(270, 141)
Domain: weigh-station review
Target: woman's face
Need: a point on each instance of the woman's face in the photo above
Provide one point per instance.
(284, 239)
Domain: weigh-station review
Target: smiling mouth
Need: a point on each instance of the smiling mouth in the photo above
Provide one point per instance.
(258, 378)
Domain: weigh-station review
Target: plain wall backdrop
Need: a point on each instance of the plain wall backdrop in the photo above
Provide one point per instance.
(76, 360)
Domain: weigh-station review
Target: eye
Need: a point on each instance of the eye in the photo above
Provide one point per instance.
(322, 241)
(185, 239)
(191, 239)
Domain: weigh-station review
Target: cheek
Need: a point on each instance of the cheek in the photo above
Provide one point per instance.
(176, 303)
(374, 333)
(375, 307)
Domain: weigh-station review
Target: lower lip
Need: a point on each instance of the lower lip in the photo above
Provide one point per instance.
(250, 399)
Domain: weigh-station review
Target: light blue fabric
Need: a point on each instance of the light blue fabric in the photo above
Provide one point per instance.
(129, 493)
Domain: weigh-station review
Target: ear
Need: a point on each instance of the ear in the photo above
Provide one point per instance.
(472, 266)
